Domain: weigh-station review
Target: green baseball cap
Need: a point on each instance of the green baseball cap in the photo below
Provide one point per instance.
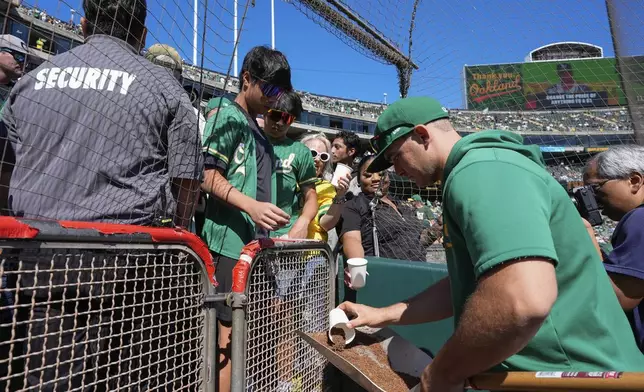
(416, 198)
(398, 120)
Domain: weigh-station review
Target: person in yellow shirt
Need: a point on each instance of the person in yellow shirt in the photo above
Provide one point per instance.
(330, 198)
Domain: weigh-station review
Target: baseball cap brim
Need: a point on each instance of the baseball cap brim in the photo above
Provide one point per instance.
(14, 43)
(380, 163)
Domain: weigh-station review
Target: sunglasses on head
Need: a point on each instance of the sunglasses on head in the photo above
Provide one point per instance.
(379, 142)
(277, 115)
(269, 90)
(19, 57)
(324, 156)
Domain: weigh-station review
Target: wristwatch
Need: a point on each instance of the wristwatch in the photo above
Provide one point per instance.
(339, 200)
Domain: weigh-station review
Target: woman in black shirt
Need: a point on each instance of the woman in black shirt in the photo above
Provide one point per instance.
(397, 234)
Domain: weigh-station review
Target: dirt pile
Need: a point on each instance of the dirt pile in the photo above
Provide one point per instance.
(366, 354)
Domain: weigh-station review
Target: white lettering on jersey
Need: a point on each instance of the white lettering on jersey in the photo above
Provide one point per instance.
(88, 78)
(239, 154)
(91, 78)
(285, 165)
(126, 82)
(52, 77)
(62, 82)
(114, 75)
(76, 81)
(104, 75)
(41, 78)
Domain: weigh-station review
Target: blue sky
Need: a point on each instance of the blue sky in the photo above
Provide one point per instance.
(448, 35)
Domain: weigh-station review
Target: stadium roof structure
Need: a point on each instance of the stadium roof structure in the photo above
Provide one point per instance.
(566, 50)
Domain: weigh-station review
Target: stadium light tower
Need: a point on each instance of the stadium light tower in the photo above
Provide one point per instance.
(273, 24)
(195, 19)
(235, 39)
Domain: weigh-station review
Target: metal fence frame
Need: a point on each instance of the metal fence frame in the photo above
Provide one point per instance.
(33, 234)
(238, 298)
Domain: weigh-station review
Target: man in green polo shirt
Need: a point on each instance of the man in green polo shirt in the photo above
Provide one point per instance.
(526, 286)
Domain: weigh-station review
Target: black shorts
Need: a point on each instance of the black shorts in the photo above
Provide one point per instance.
(224, 275)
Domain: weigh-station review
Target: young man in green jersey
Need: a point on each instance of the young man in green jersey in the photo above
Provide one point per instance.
(294, 169)
(526, 287)
(239, 164)
(295, 179)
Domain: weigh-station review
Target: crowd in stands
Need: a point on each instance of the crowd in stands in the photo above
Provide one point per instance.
(567, 172)
(194, 73)
(42, 15)
(343, 106)
(598, 120)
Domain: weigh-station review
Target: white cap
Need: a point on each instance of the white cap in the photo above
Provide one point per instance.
(14, 43)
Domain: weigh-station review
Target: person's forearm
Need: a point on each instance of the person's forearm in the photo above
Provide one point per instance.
(301, 226)
(217, 185)
(330, 220)
(489, 331)
(186, 193)
(352, 248)
(433, 304)
(310, 206)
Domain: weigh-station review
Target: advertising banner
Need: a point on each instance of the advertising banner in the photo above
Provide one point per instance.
(494, 87)
(545, 85)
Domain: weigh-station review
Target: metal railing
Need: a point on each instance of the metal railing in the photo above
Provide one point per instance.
(97, 307)
(279, 287)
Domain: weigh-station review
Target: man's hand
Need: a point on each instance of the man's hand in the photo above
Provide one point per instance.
(347, 278)
(364, 315)
(267, 215)
(300, 229)
(432, 382)
(343, 185)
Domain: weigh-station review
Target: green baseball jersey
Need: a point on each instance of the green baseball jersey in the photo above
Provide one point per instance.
(235, 145)
(500, 204)
(294, 168)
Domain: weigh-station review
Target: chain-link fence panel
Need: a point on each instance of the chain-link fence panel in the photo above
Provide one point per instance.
(289, 287)
(84, 313)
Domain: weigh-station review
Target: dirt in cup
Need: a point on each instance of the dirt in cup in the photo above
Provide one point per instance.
(368, 356)
(339, 340)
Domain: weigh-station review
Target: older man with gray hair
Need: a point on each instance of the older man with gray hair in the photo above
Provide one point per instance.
(617, 179)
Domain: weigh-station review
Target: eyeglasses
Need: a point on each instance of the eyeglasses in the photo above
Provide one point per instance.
(19, 57)
(598, 186)
(269, 90)
(324, 156)
(277, 115)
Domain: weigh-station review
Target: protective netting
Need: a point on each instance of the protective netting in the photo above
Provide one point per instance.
(560, 75)
(287, 292)
(99, 132)
(95, 318)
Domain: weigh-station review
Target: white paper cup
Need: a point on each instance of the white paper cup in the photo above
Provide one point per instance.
(341, 170)
(358, 271)
(339, 319)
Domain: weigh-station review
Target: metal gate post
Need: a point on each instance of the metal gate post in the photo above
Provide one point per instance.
(211, 333)
(238, 302)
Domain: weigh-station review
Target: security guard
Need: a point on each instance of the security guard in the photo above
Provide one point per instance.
(111, 136)
(99, 133)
